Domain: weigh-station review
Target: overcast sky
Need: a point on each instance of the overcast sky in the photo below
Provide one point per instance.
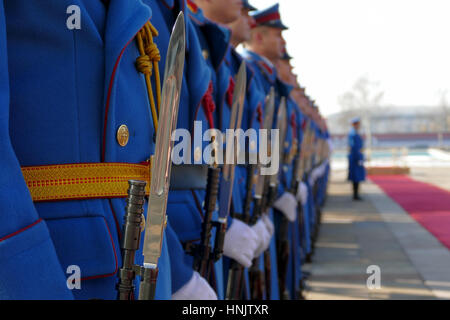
(402, 44)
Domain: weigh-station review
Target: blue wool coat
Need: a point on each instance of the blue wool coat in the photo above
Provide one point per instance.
(194, 85)
(63, 94)
(251, 117)
(305, 240)
(185, 208)
(311, 197)
(265, 78)
(294, 271)
(356, 170)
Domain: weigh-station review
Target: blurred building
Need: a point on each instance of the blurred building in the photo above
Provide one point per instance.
(397, 126)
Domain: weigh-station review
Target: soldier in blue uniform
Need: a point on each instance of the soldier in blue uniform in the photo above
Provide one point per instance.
(308, 204)
(312, 178)
(356, 170)
(296, 118)
(316, 177)
(298, 94)
(265, 47)
(329, 150)
(186, 284)
(323, 169)
(240, 240)
(74, 116)
(252, 118)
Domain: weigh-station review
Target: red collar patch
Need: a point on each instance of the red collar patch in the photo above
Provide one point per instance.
(208, 105)
(259, 114)
(192, 6)
(265, 66)
(294, 125)
(230, 92)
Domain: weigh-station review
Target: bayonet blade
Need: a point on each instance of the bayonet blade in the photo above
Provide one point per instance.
(269, 109)
(301, 156)
(281, 126)
(237, 107)
(162, 161)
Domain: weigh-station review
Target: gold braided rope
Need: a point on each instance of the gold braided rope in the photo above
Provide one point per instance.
(146, 63)
(101, 180)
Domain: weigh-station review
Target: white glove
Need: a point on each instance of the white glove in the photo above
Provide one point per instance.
(323, 167)
(197, 288)
(311, 179)
(330, 144)
(264, 237)
(302, 193)
(320, 171)
(287, 204)
(317, 173)
(240, 243)
(269, 225)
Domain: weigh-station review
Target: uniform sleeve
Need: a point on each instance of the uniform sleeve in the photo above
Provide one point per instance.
(29, 266)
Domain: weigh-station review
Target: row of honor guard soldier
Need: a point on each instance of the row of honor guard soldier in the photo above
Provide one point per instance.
(263, 51)
(76, 125)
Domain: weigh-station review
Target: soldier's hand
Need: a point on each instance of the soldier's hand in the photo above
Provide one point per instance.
(287, 204)
(197, 288)
(302, 193)
(263, 235)
(240, 243)
(269, 225)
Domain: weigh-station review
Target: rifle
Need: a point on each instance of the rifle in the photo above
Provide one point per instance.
(283, 248)
(302, 167)
(204, 254)
(227, 181)
(310, 163)
(320, 159)
(236, 270)
(159, 184)
(235, 279)
(257, 284)
(269, 195)
(202, 251)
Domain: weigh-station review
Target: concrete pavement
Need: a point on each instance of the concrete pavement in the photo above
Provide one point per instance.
(375, 232)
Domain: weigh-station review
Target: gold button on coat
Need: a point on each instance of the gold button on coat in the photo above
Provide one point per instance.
(197, 154)
(205, 54)
(123, 135)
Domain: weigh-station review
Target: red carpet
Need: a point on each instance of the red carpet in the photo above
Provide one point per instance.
(427, 204)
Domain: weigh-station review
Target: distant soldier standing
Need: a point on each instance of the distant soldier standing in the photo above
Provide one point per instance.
(356, 170)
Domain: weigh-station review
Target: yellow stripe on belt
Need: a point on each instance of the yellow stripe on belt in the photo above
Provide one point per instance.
(83, 180)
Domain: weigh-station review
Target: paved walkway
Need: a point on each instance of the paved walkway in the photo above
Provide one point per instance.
(376, 231)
